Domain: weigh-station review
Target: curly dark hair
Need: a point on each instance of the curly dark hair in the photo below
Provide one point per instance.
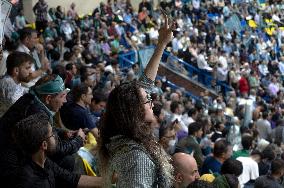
(125, 115)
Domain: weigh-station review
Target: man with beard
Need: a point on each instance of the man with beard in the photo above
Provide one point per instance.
(18, 70)
(36, 139)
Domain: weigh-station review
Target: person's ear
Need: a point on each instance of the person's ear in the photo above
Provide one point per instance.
(44, 145)
(48, 99)
(16, 70)
(178, 178)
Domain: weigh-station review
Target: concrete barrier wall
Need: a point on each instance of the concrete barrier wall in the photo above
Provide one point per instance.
(82, 6)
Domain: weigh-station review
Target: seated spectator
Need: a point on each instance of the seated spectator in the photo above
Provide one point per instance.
(98, 105)
(47, 96)
(221, 152)
(186, 170)
(226, 181)
(272, 179)
(76, 114)
(18, 70)
(190, 144)
(36, 139)
(247, 142)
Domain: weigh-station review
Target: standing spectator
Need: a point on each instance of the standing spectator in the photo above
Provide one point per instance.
(127, 145)
(72, 13)
(244, 85)
(40, 10)
(20, 20)
(264, 127)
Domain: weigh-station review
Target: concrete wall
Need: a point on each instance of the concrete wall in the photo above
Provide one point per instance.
(82, 6)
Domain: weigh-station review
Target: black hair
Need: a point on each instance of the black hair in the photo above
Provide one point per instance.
(247, 142)
(220, 147)
(232, 166)
(276, 166)
(69, 66)
(31, 132)
(16, 59)
(67, 56)
(194, 127)
(268, 153)
(174, 106)
(200, 184)
(99, 97)
(157, 108)
(232, 180)
(26, 32)
(79, 90)
(191, 112)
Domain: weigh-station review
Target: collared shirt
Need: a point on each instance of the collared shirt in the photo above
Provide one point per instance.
(34, 175)
(10, 92)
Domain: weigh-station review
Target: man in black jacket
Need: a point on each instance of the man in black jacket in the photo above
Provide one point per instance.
(47, 96)
(36, 139)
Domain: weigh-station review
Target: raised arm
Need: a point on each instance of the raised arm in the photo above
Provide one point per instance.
(165, 36)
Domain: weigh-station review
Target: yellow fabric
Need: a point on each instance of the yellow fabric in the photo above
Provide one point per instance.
(252, 23)
(88, 168)
(268, 20)
(91, 141)
(208, 177)
(282, 28)
(31, 25)
(269, 31)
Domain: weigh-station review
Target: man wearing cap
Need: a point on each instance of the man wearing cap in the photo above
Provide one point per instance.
(46, 96)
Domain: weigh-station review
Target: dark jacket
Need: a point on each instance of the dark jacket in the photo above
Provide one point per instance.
(10, 155)
(188, 145)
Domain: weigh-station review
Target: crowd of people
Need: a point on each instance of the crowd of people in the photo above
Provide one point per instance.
(70, 116)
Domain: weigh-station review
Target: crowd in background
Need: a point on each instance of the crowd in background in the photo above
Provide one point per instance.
(234, 139)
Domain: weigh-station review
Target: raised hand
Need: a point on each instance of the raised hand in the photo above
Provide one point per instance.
(165, 32)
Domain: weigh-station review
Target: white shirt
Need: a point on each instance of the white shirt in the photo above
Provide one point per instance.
(250, 170)
(10, 92)
(202, 63)
(224, 62)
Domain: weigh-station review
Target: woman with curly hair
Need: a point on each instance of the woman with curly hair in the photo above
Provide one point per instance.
(128, 153)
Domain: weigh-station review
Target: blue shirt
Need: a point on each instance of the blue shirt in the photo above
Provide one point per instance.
(211, 165)
(75, 117)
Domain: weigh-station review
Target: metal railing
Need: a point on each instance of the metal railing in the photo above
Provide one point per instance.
(126, 60)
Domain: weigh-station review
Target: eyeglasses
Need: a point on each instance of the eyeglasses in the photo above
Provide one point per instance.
(53, 135)
(149, 100)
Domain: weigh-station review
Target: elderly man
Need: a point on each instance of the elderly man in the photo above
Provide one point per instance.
(186, 170)
(47, 96)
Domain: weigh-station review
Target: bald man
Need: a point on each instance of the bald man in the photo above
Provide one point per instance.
(186, 170)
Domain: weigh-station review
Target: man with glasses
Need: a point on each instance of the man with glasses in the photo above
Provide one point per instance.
(47, 96)
(34, 135)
